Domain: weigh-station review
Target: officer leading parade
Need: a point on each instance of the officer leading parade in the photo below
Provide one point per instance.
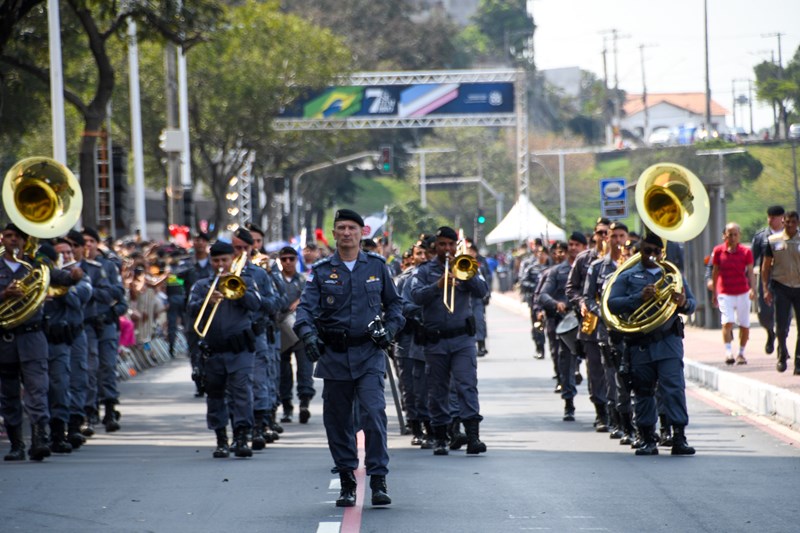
(390, 265)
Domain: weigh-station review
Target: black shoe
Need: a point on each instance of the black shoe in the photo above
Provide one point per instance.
(286, 418)
(440, 440)
(781, 365)
(649, 448)
(649, 441)
(769, 347)
(305, 414)
(17, 452)
(273, 424)
(58, 440)
(569, 411)
(39, 448)
(558, 389)
(474, 443)
(347, 494)
(240, 438)
(110, 418)
(222, 451)
(457, 438)
(74, 436)
(578, 377)
(482, 348)
(679, 444)
(379, 493)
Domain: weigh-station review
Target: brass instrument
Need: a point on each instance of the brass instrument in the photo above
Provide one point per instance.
(589, 323)
(673, 203)
(232, 287)
(43, 199)
(464, 267)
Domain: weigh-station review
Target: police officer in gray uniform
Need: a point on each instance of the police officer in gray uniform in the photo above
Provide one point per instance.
(102, 332)
(79, 349)
(23, 356)
(229, 347)
(449, 340)
(264, 391)
(60, 334)
(348, 314)
(553, 298)
(656, 358)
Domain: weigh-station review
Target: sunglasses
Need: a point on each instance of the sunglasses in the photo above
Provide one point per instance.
(601, 232)
(647, 250)
(289, 258)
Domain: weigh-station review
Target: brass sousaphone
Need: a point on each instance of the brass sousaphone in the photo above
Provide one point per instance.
(672, 203)
(43, 199)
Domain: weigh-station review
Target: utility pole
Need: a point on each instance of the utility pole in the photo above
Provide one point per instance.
(174, 189)
(646, 129)
(423, 193)
(708, 76)
(779, 114)
(615, 36)
(609, 136)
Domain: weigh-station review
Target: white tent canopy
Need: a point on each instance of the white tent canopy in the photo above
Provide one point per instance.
(525, 222)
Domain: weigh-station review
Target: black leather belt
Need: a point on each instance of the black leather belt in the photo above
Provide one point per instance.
(8, 334)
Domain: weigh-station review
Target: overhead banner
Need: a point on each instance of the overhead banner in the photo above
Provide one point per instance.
(404, 101)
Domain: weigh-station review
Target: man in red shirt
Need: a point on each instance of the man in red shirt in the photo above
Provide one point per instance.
(734, 288)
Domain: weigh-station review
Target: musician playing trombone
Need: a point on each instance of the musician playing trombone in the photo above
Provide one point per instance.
(229, 347)
(449, 340)
(656, 357)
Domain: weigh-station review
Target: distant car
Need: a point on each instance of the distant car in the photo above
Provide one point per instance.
(660, 137)
(794, 131)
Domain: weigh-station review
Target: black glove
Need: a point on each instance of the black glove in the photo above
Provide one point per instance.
(380, 335)
(312, 350)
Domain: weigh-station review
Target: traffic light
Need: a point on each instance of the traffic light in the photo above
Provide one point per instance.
(481, 218)
(386, 162)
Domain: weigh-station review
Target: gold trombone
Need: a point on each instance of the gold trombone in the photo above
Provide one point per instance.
(464, 267)
(232, 287)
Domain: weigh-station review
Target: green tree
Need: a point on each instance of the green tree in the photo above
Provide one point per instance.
(779, 87)
(508, 27)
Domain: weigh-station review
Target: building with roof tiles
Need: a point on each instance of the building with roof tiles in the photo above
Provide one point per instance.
(672, 118)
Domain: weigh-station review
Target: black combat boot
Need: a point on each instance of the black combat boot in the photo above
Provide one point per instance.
(601, 418)
(92, 419)
(796, 365)
(347, 492)
(111, 416)
(457, 438)
(379, 493)
(74, 436)
(305, 414)
(649, 441)
(428, 439)
(416, 431)
(616, 425)
(679, 444)
(440, 440)
(58, 441)
(222, 451)
(272, 421)
(783, 356)
(39, 448)
(17, 452)
(240, 437)
(626, 421)
(259, 440)
(569, 411)
(288, 411)
(482, 348)
(664, 431)
(474, 444)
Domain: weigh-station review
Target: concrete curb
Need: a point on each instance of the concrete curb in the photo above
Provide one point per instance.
(752, 395)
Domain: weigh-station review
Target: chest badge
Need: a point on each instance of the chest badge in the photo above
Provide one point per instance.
(334, 275)
(330, 299)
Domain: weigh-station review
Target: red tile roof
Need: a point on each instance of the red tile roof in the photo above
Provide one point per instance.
(693, 102)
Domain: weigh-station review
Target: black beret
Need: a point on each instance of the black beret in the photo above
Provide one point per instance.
(91, 232)
(602, 220)
(47, 250)
(618, 225)
(76, 237)
(447, 232)
(221, 248)
(254, 228)
(577, 236)
(244, 235)
(287, 250)
(775, 210)
(369, 244)
(13, 227)
(429, 242)
(655, 240)
(347, 214)
(202, 235)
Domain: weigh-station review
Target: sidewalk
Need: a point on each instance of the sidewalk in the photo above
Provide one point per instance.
(757, 386)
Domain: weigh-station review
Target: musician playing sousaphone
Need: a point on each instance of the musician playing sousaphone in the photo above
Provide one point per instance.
(655, 357)
(23, 345)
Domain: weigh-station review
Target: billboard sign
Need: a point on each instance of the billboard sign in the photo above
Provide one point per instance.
(404, 101)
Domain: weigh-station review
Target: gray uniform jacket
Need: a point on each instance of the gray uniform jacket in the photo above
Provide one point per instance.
(425, 292)
(336, 301)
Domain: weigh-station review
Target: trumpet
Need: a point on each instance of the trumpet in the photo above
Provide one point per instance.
(232, 287)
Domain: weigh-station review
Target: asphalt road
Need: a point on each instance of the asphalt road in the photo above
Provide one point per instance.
(540, 474)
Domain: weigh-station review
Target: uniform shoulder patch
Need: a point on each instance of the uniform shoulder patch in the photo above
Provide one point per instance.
(93, 262)
(322, 261)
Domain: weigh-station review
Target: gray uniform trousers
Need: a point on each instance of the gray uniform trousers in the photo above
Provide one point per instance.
(231, 372)
(662, 375)
(24, 358)
(459, 357)
(338, 397)
(58, 366)
(596, 371)
(102, 365)
(79, 374)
